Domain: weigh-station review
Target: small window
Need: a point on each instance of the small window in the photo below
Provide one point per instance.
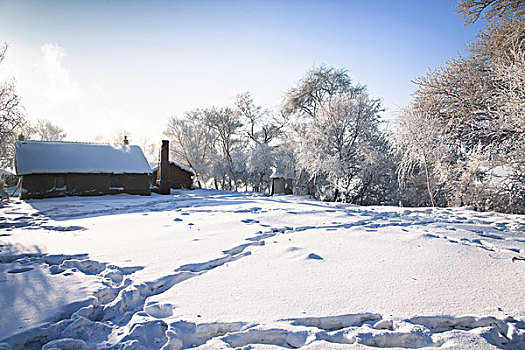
(60, 182)
(115, 181)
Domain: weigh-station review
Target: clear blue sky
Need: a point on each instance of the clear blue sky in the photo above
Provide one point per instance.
(96, 67)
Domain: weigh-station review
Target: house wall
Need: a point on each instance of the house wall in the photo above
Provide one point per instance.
(136, 184)
(38, 186)
(58, 185)
(86, 184)
(178, 178)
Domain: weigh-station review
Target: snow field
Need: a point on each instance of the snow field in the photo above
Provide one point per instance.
(215, 270)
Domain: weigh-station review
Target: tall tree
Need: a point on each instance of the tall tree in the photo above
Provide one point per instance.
(337, 136)
(261, 128)
(224, 125)
(11, 117)
(192, 144)
(467, 119)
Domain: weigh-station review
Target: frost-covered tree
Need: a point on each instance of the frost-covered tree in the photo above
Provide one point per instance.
(449, 128)
(338, 142)
(192, 144)
(44, 130)
(464, 129)
(251, 114)
(261, 129)
(319, 85)
(285, 158)
(225, 125)
(260, 125)
(472, 10)
(150, 149)
(209, 142)
(420, 143)
(510, 96)
(11, 117)
(336, 147)
(260, 161)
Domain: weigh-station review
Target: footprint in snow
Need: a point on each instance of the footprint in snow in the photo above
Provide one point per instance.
(313, 256)
(291, 249)
(488, 235)
(20, 270)
(159, 310)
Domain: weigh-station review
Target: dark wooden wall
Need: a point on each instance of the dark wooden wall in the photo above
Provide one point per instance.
(57, 185)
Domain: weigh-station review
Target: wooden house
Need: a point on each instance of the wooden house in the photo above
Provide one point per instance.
(54, 169)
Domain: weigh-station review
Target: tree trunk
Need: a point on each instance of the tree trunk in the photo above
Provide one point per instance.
(428, 183)
(336, 194)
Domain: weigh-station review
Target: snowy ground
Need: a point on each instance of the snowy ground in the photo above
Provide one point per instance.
(214, 270)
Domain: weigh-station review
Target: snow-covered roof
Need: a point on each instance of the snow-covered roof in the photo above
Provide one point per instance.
(155, 166)
(41, 157)
(287, 175)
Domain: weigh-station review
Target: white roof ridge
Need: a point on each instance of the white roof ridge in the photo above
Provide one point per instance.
(63, 141)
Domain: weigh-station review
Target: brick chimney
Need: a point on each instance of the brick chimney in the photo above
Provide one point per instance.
(164, 169)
